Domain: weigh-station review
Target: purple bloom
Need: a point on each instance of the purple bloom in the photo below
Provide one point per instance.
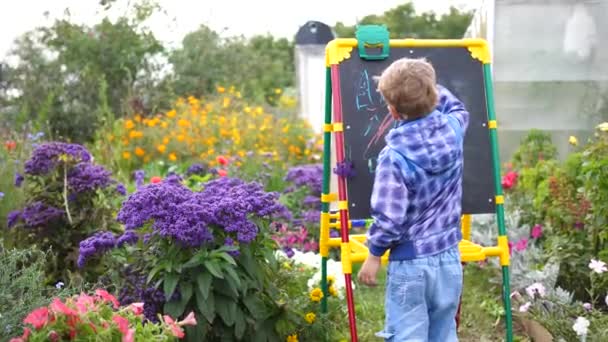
(196, 169)
(307, 175)
(313, 201)
(137, 290)
(129, 237)
(139, 176)
(289, 252)
(18, 179)
(39, 214)
(48, 156)
(86, 177)
(120, 188)
(229, 242)
(345, 169)
(99, 243)
(12, 218)
(334, 233)
(1, 195)
(173, 177)
(311, 216)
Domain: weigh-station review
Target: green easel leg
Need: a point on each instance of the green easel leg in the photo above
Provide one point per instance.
(326, 175)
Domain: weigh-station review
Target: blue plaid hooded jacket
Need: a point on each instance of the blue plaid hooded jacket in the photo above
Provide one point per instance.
(417, 194)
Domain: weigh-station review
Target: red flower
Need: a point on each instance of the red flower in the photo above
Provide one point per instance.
(37, 318)
(54, 336)
(59, 307)
(222, 173)
(122, 323)
(107, 297)
(10, 145)
(155, 180)
(222, 160)
(509, 180)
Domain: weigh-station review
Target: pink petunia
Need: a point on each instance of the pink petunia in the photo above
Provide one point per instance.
(521, 245)
(189, 320)
(175, 329)
(537, 231)
(137, 308)
(122, 323)
(509, 180)
(129, 336)
(58, 306)
(85, 303)
(106, 296)
(37, 318)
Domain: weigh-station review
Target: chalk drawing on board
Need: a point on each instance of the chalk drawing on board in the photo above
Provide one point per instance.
(364, 91)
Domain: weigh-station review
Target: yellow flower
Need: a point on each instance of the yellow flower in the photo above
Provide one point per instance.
(161, 148)
(226, 102)
(126, 155)
(603, 127)
(330, 279)
(310, 317)
(129, 124)
(259, 110)
(172, 156)
(316, 294)
(332, 291)
(221, 89)
(573, 141)
(171, 113)
(152, 123)
(139, 151)
(136, 134)
(165, 140)
(183, 123)
(137, 118)
(292, 338)
(164, 124)
(238, 94)
(278, 91)
(181, 137)
(247, 110)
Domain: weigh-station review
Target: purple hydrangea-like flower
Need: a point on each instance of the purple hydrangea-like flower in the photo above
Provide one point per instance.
(289, 252)
(120, 188)
(312, 201)
(86, 177)
(128, 238)
(18, 179)
(12, 218)
(97, 244)
(345, 169)
(39, 214)
(196, 169)
(139, 176)
(230, 242)
(311, 216)
(48, 156)
(307, 175)
(138, 290)
(334, 233)
(173, 177)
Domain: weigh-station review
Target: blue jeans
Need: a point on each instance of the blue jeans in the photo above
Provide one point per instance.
(422, 297)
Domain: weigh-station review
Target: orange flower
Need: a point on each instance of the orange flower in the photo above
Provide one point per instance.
(129, 124)
(126, 155)
(172, 156)
(222, 160)
(10, 145)
(161, 148)
(183, 123)
(171, 113)
(139, 151)
(221, 89)
(155, 180)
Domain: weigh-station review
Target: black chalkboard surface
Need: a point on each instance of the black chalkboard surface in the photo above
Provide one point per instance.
(366, 122)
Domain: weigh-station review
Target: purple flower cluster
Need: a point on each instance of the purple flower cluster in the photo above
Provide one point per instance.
(96, 244)
(196, 169)
(47, 157)
(138, 291)
(35, 215)
(86, 177)
(139, 176)
(307, 175)
(121, 189)
(345, 169)
(189, 218)
(18, 179)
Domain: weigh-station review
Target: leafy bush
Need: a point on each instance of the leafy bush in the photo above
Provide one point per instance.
(67, 197)
(22, 281)
(208, 251)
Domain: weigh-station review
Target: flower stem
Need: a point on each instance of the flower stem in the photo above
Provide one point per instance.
(65, 193)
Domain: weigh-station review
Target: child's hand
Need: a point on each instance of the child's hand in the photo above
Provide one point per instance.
(369, 270)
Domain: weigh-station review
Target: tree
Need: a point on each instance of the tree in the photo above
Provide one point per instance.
(403, 22)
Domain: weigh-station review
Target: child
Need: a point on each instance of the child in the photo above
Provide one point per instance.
(416, 205)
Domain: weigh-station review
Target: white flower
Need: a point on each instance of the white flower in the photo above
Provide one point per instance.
(580, 326)
(525, 307)
(606, 299)
(598, 266)
(59, 285)
(535, 289)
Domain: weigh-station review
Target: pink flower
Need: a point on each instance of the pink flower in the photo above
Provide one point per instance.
(521, 245)
(37, 318)
(537, 231)
(175, 329)
(24, 337)
(54, 336)
(155, 180)
(59, 307)
(509, 180)
(510, 248)
(85, 303)
(189, 320)
(222, 173)
(129, 336)
(525, 307)
(137, 308)
(122, 323)
(103, 294)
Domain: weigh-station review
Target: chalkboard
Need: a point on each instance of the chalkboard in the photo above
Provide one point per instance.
(366, 122)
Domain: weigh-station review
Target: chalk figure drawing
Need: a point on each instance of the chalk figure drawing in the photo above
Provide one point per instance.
(371, 103)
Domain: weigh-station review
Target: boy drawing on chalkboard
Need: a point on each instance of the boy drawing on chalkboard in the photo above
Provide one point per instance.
(416, 205)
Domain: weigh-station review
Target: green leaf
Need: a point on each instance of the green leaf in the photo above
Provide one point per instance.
(203, 281)
(170, 283)
(226, 309)
(256, 306)
(214, 269)
(240, 324)
(233, 276)
(196, 260)
(228, 258)
(185, 289)
(206, 306)
(153, 272)
(226, 288)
